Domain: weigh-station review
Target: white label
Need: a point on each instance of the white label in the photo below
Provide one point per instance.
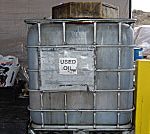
(67, 66)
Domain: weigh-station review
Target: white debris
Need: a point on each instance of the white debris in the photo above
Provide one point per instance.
(9, 68)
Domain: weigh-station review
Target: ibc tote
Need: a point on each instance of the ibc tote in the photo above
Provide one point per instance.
(81, 74)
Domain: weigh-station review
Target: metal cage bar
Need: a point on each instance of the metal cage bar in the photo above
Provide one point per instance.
(81, 110)
(119, 75)
(66, 115)
(39, 51)
(35, 21)
(79, 45)
(80, 90)
(64, 32)
(39, 73)
(95, 62)
(42, 106)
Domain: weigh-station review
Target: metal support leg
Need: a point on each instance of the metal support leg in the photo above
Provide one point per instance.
(128, 132)
(80, 132)
(31, 131)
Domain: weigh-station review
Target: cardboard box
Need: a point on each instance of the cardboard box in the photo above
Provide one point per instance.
(84, 10)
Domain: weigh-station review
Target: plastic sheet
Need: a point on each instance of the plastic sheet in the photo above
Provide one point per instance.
(142, 38)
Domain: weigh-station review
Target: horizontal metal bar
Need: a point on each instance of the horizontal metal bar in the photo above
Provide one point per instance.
(79, 45)
(35, 21)
(130, 90)
(130, 46)
(96, 129)
(83, 127)
(97, 70)
(78, 129)
(115, 70)
(81, 90)
(80, 110)
(38, 70)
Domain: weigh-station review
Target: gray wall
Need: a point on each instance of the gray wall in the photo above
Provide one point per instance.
(13, 29)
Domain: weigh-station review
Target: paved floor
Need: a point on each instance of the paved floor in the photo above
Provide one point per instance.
(13, 113)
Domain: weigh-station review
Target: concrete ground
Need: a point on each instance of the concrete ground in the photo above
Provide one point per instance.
(13, 113)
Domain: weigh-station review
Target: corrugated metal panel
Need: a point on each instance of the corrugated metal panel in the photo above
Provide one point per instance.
(13, 13)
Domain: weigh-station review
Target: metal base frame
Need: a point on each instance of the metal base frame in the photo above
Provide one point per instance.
(30, 131)
(47, 129)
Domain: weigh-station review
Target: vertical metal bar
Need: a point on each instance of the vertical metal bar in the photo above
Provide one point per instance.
(39, 67)
(94, 106)
(42, 106)
(132, 67)
(120, 31)
(64, 32)
(95, 42)
(39, 51)
(131, 117)
(39, 33)
(95, 32)
(118, 114)
(95, 87)
(39, 73)
(119, 75)
(66, 115)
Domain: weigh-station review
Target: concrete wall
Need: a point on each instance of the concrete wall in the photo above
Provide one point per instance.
(13, 29)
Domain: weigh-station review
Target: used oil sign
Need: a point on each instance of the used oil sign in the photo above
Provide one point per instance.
(68, 66)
